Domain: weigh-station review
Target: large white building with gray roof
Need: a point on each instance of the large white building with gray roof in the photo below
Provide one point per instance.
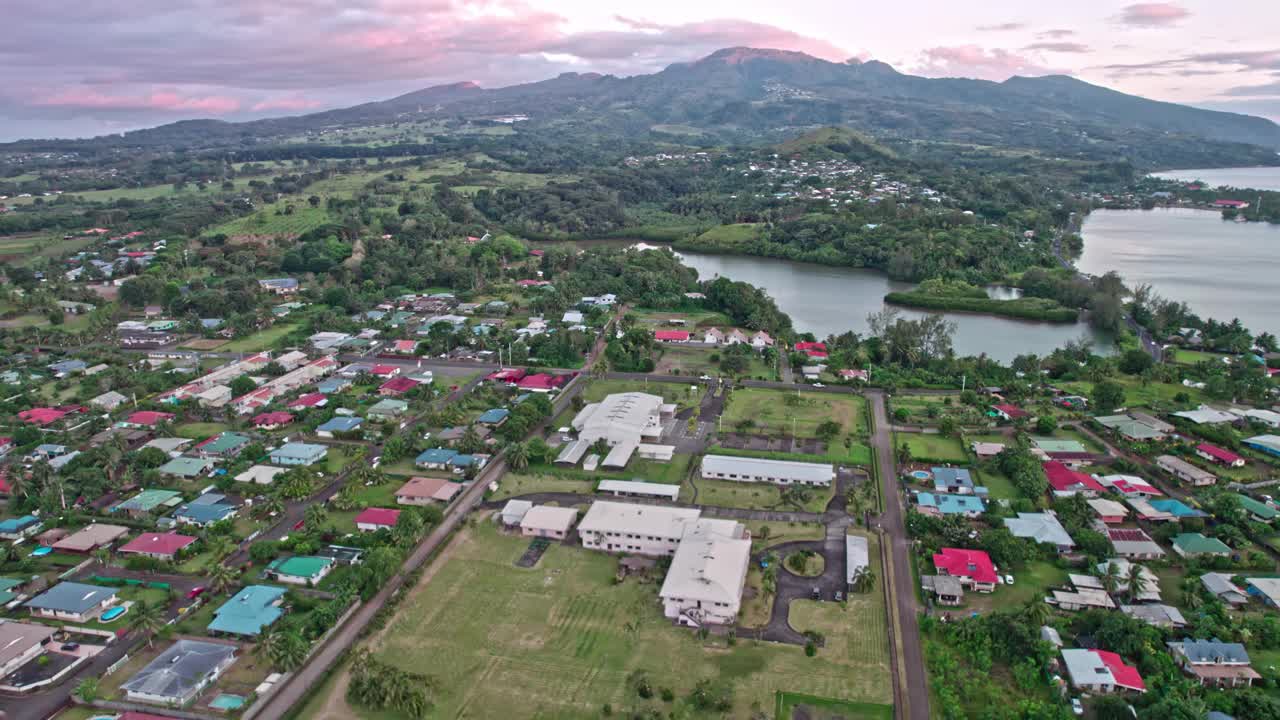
(778, 472)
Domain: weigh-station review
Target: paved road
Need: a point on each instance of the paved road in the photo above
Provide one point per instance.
(912, 689)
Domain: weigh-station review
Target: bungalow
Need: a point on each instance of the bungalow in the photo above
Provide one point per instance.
(205, 510)
(1134, 544)
(547, 521)
(435, 458)
(332, 427)
(425, 491)
(972, 567)
(572, 317)
(67, 368)
(1191, 545)
(148, 501)
(970, 506)
(373, 519)
(1131, 486)
(145, 419)
(1109, 512)
(671, 336)
(109, 400)
(1157, 615)
(1215, 663)
(186, 468)
(19, 527)
(387, 409)
(948, 590)
(1009, 413)
(543, 382)
(1258, 510)
(279, 286)
(811, 349)
(1066, 482)
(494, 417)
(161, 546)
(309, 400)
(43, 417)
(952, 480)
(713, 336)
(1269, 444)
(333, 385)
(179, 674)
(249, 611)
(736, 337)
(300, 569)
(222, 445)
(459, 463)
(395, 387)
(272, 420)
(1136, 428)
(260, 474)
(90, 538)
(1099, 671)
(1205, 415)
(1221, 586)
(1148, 589)
(513, 512)
(72, 602)
(6, 444)
(1215, 454)
(297, 453)
(1041, 527)
(761, 340)
(20, 643)
(509, 376)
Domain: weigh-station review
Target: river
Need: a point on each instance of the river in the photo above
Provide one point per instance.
(827, 300)
(1257, 178)
(1221, 269)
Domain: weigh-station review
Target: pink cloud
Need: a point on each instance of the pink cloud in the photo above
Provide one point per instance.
(289, 104)
(1057, 34)
(1152, 15)
(1001, 27)
(1059, 47)
(162, 101)
(977, 62)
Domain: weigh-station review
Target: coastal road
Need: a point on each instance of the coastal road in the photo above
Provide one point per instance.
(912, 690)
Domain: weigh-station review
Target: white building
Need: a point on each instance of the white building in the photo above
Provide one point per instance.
(548, 521)
(778, 472)
(621, 418)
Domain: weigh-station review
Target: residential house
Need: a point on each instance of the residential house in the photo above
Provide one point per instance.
(1042, 527)
(160, 546)
(1269, 444)
(397, 386)
(20, 643)
(279, 286)
(1065, 482)
(387, 409)
(1266, 588)
(223, 445)
(435, 458)
(374, 519)
(1258, 510)
(671, 336)
(947, 590)
(1205, 415)
(1131, 486)
(543, 382)
(513, 513)
(1214, 663)
(186, 468)
(272, 420)
(1219, 456)
(1134, 544)
(952, 480)
(973, 568)
(1221, 586)
(1156, 614)
(1191, 545)
(1101, 672)
(109, 400)
(90, 538)
(713, 336)
(494, 417)
(249, 612)
(148, 501)
(761, 340)
(970, 506)
(169, 446)
(297, 453)
(337, 425)
(179, 674)
(548, 521)
(1109, 512)
(1009, 413)
(425, 491)
(260, 474)
(300, 569)
(1148, 589)
(209, 508)
(71, 602)
(17, 528)
(145, 419)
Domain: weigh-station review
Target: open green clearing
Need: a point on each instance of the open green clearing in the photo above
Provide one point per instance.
(815, 708)
(1029, 585)
(697, 361)
(199, 431)
(785, 413)
(261, 340)
(938, 448)
(998, 485)
(1193, 357)
(515, 485)
(552, 642)
(751, 496)
(1138, 395)
(678, 393)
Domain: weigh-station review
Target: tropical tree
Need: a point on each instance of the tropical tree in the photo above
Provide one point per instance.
(272, 505)
(518, 456)
(148, 619)
(315, 516)
(1111, 579)
(288, 651)
(221, 578)
(1037, 613)
(864, 579)
(87, 689)
(1136, 580)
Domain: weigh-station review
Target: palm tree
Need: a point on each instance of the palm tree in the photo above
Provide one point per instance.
(1137, 581)
(147, 619)
(220, 547)
(1191, 597)
(518, 456)
(315, 517)
(273, 505)
(1037, 613)
(864, 579)
(221, 578)
(103, 556)
(1111, 580)
(288, 651)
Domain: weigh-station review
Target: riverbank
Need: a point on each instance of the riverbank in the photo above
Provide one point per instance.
(1026, 308)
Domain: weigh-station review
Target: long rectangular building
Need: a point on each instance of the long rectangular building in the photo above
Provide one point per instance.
(778, 472)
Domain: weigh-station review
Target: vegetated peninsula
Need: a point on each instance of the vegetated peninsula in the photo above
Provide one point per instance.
(955, 296)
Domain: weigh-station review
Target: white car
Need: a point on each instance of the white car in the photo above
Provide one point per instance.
(1008, 579)
(377, 460)
(705, 377)
(1076, 707)
(819, 385)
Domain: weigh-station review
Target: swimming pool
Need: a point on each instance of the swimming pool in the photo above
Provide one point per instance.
(921, 474)
(112, 614)
(41, 551)
(227, 701)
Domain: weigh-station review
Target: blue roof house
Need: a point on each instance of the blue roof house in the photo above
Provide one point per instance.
(435, 458)
(494, 416)
(249, 611)
(339, 425)
(952, 480)
(296, 453)
(947, 504)
(19, 527)
(205, 510)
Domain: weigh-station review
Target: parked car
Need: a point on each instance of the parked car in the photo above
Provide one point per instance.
(1008, 579)
(819, 385)
(1076, 707)
(195, 592)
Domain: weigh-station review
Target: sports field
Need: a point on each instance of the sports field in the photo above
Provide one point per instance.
(560, 641)
(782, 411)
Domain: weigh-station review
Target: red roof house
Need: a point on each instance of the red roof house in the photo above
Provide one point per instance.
(543, 382)
(1126, 676)
(310, 400)
(807, 346)
(1237, 204)
(157, 545)
(372, 519)
(1066, 481)
(1215, 454)
(1010, 412)
(853, 375)
(671, 335)
(146, 418)
(42, 416)
(507, 375)
(404, 347)
(973, 567)
(6, 444)
(272, 420)
(396, 387)
(384, 370)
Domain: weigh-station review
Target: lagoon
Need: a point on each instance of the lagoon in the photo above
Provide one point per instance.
(1257, 178)
(1221, 269)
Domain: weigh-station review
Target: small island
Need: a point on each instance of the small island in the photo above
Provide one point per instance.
(957, 296)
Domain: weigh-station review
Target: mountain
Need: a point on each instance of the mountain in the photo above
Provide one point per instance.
(749, 94)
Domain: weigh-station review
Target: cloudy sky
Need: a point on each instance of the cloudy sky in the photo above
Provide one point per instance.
(99, 66)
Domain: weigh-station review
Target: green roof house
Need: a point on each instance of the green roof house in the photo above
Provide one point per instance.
(1190, 545)
(1257, 509)
(148, 501)
(300, 569)
(387, 409)
(186, 467)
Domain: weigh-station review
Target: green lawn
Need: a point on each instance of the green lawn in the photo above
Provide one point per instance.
(261, 340)
(1193, 357)
(199, 431)
(552, 641)
(697, 361)
(752, 496)
(997, 483)
(678, 393)
(731, 235)
(817, 708)
(270, 220)
(782, 412)
(1136, 395)
(782, 532)
(1030, 584)
(937, 448)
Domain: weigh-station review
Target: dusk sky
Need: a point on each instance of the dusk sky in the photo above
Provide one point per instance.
(100, 66)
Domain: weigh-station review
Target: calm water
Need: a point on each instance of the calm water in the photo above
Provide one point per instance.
(830, 300)
(1258, 178)
(1221, 269)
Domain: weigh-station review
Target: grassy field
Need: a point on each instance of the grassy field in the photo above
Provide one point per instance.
(696, 361)
(930, 409)
(1193, 357)
(730, 235)
(1030, 584)
(26, 247)
(932, 447)
(780, 532)
(752, 496)
(1136, 395)
(271, 220)
(997, 483)
(781, 412)
(199, 431)
(816, 708)
(261, 340)
(514, 485)
(678, 393)
(692, 320)
(553, 641)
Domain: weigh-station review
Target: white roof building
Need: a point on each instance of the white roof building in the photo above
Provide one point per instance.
(109, 400)
(1042, 527)
(260, 474)
(708, 571)
(1205, 415)
(639, 489)
(514, 511)
(1150, 591)
(857, 555)
(780, 472)
(620, 417)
